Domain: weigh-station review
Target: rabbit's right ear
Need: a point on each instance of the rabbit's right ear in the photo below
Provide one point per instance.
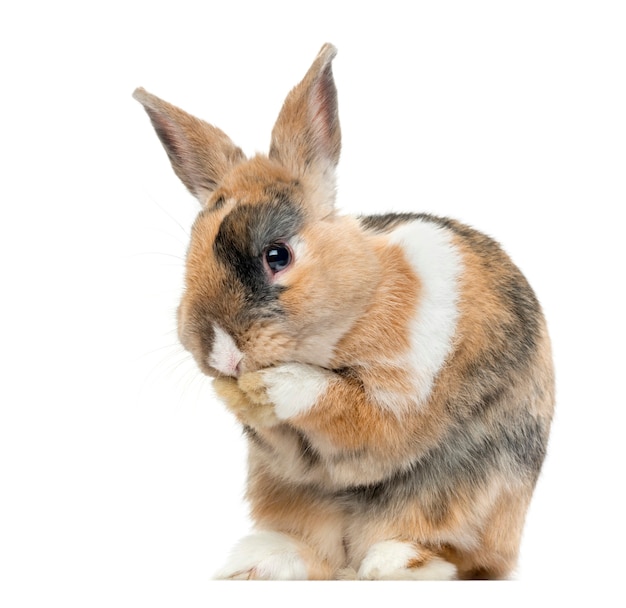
(200, 153)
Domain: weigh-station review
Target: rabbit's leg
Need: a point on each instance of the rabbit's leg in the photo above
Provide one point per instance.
(268, 555)
(299, 532)
(495, 554)
(403, 560)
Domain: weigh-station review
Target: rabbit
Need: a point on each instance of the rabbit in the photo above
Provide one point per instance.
(392, 373)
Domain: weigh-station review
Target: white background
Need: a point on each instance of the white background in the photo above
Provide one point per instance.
(121, 477)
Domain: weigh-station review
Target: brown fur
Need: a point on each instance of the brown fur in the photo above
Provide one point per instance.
(450, 473)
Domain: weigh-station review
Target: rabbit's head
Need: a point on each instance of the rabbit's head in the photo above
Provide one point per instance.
(273, 274)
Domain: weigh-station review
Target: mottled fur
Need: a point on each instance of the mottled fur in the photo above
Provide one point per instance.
(395, 382)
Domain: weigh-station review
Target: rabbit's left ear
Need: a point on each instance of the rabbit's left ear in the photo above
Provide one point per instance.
(200, 153)
(307, 136)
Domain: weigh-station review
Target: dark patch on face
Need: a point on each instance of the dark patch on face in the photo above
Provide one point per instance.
(461, 465)
(244, 235)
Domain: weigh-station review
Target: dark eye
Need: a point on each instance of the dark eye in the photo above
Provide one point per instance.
(278, 257)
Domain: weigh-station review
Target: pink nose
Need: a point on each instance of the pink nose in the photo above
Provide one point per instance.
(225, 357)
(230, 366)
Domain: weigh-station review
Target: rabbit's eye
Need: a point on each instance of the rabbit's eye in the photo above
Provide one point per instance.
(278, 257)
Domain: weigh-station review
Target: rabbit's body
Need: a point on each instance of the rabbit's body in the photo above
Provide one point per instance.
(392, 373)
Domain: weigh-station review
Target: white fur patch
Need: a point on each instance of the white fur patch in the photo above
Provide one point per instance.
(388, 560)
(384, 557)
(224, 356)
(265, 555)
(438, 265)
(295, 388)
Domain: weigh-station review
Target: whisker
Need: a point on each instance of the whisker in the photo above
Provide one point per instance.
(166, 365)
(158, 349)
(192, 377)
(170, 255)
(166, 212)
(180, 241)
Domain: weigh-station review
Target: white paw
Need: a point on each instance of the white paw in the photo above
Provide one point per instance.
(265, 556)
(294, 388)
(397, 560)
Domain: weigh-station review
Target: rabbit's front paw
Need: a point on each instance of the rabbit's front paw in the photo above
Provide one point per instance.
(293, 388)
(397, 560)
(265, 555)
(249, 408)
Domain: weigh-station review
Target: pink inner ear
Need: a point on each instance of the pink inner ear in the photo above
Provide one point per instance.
(324, 111)
(168, 133)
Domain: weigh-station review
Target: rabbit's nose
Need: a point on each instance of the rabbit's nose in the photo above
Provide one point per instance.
(225, 357)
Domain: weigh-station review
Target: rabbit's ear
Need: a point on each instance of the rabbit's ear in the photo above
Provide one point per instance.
(307, 136)
(200, 153)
